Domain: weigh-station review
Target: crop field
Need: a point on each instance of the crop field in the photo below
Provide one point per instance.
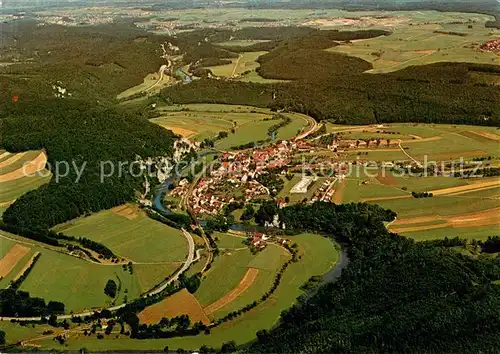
(420, 141)
(250, 124)
(153, 83)
(150, 275)
(20, 173)
(238, 278)
(420, 43)
(245, 62)
(227, 271)
(181, 303)
(129, 233)
(77, 283)
(319, 255)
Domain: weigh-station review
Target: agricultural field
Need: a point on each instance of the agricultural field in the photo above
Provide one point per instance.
(318, 257)
(152, 84)
(436, 142)
(20, 173)
(78, 283)
(130, 234)
(419, 42)
(245, 62)
(200, 122)
(61, 277)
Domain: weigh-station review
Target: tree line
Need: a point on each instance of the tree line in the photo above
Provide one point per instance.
(395, 295)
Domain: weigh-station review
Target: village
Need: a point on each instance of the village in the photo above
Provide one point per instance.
(243, 176)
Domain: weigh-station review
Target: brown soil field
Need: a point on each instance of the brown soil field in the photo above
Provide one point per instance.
(181, 303)
(9, 261)
(26, 266)
(467, 188)
(179, 131)
(388, 179)
(29, 169)
(339, 193)
(12, 159)
(482, 134)
(243, 286)
(126, 210)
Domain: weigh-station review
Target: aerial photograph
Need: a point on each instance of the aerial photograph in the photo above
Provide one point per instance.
(250, 176)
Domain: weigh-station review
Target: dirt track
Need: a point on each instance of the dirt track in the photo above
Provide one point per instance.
(244, 284)
(9, 261)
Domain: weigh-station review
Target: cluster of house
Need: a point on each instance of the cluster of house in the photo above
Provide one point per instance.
(492, 46)
(325, 192)
(260, 240)
(239, 171)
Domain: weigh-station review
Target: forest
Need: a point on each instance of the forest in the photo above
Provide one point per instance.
(84, 136)
(437, 93)
(396, 296)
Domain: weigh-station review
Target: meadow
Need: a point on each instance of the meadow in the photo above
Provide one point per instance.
(424, 42)
(319, 255)
(18, 174)
(250, 124)
(129, 233)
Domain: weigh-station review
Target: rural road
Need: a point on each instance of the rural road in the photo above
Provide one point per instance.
(411, 157)
(186, 265)
(314, 126)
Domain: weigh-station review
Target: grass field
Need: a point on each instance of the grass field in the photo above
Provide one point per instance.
(77, 283)
(319, 256)
(246, 61)
(15, 179)
(151, 84)
(133, 236)
(201, 122)
(226, 272)
(420, 44)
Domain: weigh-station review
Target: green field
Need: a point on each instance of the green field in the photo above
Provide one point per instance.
(476, 232)
(245, 61)
(151, 84)
(140, 239)
(319, 256)
(150, 275)
(419, 44)
(13, 189)
(355, 191)
(228, 241)
(437, 205)
(225, 275)
(77, 283)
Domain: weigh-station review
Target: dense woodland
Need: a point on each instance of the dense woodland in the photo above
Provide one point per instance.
(84, 136)
(438, 93)
(395, 296)
(95, 62)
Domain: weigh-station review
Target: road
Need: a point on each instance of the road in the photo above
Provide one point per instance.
(411, 157)
(314, 126)
(185, 266)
